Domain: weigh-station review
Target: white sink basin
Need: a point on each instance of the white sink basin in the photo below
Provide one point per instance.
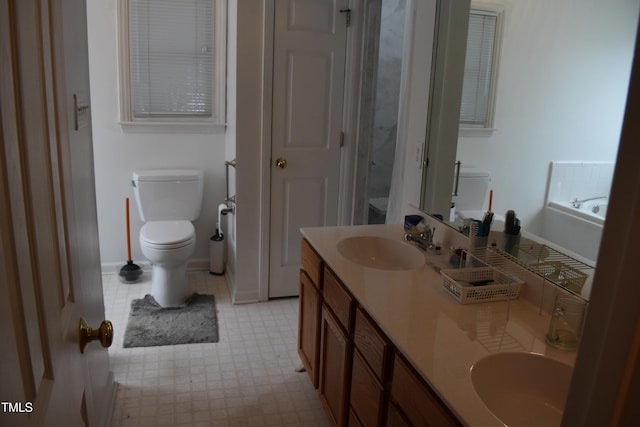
(523, 389)
(381, 253)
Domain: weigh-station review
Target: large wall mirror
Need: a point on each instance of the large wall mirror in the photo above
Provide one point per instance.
(562, 82)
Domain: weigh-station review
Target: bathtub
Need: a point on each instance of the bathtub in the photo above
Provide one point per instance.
(576, 229)
(594, 210)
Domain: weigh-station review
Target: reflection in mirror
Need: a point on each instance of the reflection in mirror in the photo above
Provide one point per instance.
(560, 99)
(378, 125)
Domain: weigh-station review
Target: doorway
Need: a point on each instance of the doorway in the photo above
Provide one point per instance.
(384, 34)
(309, 54)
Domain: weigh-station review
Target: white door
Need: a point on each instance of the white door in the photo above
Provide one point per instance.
(49, 257)
(308, 82)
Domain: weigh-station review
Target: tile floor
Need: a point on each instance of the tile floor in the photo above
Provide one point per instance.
(246, 379)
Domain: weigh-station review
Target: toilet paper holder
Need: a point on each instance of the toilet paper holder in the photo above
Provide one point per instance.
(230, 201)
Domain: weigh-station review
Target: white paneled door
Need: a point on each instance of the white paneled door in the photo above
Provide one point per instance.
(308, 84)
(49, 257)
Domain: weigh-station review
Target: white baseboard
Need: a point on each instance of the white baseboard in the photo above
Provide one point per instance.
(244, 297)
(247, 297)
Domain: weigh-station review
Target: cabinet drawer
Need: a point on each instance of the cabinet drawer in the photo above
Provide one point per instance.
(372, 344)
(415, 400)
(367, 395)
(311, 263)
(338, 299)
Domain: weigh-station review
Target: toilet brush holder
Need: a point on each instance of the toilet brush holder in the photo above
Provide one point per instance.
(216, 254)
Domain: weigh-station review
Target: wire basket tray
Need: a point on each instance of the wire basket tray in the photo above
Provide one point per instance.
(563, 275)
(471, 285)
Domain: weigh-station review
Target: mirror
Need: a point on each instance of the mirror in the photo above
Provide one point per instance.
(560, 99)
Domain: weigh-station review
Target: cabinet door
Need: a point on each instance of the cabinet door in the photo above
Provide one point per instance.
(309, 327)
(336, 352)
(367, 395)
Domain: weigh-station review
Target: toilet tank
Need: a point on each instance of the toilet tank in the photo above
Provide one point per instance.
(473, 190)
(168, 194)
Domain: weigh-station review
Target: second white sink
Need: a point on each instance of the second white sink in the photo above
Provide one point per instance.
(523, 389)
(381, 253)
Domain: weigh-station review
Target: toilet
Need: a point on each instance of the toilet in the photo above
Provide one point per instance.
(472, 200)
(168, 200)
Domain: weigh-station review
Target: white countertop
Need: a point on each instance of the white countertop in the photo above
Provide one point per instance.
(439, 336)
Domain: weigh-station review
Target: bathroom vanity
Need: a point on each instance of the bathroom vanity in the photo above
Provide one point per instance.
(390, 347)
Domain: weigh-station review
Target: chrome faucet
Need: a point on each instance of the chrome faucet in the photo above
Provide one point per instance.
(578, 203)
(423, 240)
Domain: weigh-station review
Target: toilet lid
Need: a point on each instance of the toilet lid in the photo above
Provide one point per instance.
(167, 233)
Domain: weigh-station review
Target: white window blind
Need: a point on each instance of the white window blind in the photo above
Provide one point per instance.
(171, 54)
(479, 71)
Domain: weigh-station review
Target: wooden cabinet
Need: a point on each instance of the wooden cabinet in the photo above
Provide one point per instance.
(371, 371)
(310, 303)
(338, 299)
(336, 348)
(311, 263)
(361, 379)
(336, 351)
(415, 400)
(309, 327)
(375, 347)
(367, 397)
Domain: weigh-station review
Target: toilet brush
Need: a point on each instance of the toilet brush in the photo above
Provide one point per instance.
(130, 272)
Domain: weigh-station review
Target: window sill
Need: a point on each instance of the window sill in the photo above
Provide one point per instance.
(476, 132)
(171, 127)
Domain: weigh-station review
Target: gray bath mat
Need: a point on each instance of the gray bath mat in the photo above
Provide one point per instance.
(151, 325)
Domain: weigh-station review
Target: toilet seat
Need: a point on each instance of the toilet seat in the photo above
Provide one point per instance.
(167, 234)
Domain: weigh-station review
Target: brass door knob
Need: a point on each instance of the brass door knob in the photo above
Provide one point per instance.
(281, 162)
(104, 333)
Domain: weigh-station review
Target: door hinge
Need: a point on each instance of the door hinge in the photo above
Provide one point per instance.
(348, 14)
(341, 139)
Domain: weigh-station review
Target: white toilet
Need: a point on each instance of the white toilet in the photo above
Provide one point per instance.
(472, 200)
(168, 200)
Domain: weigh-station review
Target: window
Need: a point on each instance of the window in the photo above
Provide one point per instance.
(480, 69)
(172, 62)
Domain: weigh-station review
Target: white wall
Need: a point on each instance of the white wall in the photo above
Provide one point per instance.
(562, 87)
(247, 127)
(229, 223)
(118, 154)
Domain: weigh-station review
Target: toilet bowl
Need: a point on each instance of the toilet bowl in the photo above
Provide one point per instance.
(168, 200)
(168, 245)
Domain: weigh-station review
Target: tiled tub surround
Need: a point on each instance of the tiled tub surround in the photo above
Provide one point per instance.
(572, 179)
(577, 229)
(441, 338)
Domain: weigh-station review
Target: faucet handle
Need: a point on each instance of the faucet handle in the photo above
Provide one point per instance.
(428, 234)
